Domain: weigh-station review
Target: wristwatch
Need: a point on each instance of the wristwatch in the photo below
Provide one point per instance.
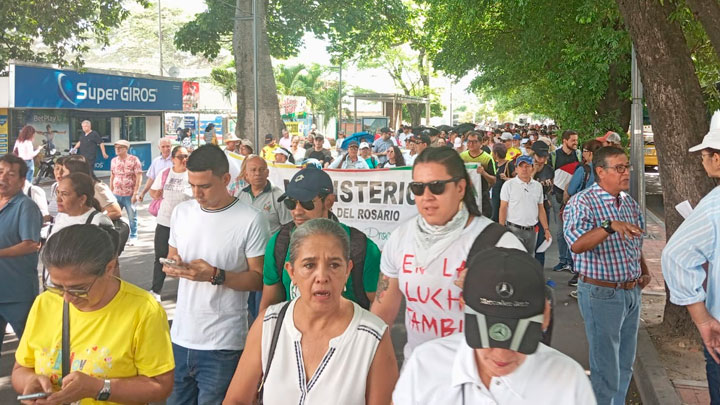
(218, 278)
(607, 226)
(104, 393)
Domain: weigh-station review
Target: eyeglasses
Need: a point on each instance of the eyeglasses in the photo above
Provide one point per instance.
(619, 168)
(75, 292)
(181, 157)
(704, 155)
(436, 187)
(292, 203)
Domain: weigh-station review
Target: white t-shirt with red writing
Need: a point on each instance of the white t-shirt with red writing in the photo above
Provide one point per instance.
(431, 297)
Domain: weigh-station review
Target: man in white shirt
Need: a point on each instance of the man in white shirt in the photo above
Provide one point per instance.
(38, 195)
(218, 244)
(350, 160)
(499, 358)
(285, 140)
(160, 163)
(521, 205)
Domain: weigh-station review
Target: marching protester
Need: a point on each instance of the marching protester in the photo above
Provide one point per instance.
(320, 347)
(309, 195)
(285, 140)
(424, 256)
(297, 149)
(26, 150)
(603, 226)
(319, 152)
(610, 139)
(690, 259)
(521, 205)
(482, 365)
(564, 161)
(216, 246)
(349, 160)
(20, 223)
(395, 158)
(382, 145)
(58, 171)
(170, 188)
(37, 194)
(77, 204)
(283, 156)
(505, 171)
(507, 140)
(232, 143)
(108, 203)
(263, 195)
(246, 147)
(117, 335)
(160, 163)
(366, 154)
(486, 168)
(125, 179)
(88, 144)
(543, 174)
(268, 151)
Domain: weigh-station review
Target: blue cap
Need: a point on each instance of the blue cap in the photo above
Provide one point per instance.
(524, 159)
(307, 184)
(517, 137)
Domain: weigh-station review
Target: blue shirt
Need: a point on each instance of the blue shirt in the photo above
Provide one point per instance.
(20, 220)
(696, 242)
(615, 259)
(576, 182)
(381, 145)
(158, 165)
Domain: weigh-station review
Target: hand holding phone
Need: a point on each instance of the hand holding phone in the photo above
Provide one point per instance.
(171, 263)
(29, 397)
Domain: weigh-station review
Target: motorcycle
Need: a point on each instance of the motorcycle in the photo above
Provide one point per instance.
(46, 170)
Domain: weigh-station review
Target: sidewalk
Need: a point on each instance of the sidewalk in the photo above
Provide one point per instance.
(690, 392)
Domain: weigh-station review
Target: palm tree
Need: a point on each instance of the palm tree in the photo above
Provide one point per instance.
(289, 80)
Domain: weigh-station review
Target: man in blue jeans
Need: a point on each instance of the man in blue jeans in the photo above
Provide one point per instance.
(603, 226)
(218, 245)
(693, 245)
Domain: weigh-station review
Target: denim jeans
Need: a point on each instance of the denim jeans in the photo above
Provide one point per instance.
(202, 376)
(254, 299)
(611, 318)
(563, 248)
(540, 257)
(31, 170)
(713, 377)
(16, 314)
(126, 202)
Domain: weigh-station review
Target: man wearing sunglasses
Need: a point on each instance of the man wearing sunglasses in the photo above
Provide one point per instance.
(603, 227)
(309, 195)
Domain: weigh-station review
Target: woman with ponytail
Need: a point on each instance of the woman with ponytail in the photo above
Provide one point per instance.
(424, 256)
(76, 203)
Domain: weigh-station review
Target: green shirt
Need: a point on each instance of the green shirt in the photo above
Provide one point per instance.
(371, 270)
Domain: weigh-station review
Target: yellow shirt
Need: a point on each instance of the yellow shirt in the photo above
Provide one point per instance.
(268, 152)
(128, 337)
(512, 153)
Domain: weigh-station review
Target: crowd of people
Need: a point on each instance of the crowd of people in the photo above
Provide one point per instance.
(278, 301)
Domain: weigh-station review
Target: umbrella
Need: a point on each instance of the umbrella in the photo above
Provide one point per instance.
(358, 137)
(465, 127)
(432, 131)
(445, 128)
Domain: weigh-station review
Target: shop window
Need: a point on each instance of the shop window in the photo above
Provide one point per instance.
(136, 129)
(99, 124)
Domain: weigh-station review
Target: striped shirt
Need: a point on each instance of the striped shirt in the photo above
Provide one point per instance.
(614, 259)
(694, 243)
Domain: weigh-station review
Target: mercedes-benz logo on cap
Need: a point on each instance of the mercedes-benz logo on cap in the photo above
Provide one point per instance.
(500, 332)
(299, 178)
(504, 289)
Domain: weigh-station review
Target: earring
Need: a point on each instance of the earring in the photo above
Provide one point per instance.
(294, 292)
(345, 288)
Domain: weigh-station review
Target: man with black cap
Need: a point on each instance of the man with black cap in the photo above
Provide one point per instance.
(268, 151)
(543, 174)
(381, 146)
(309, 195)
(499, 359)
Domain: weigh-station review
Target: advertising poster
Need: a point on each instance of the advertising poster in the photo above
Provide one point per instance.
(4, 138)
(52, 127)
(190, 96)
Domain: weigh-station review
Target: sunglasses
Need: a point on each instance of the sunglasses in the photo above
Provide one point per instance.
(181, 157)
(75, 292)
(292, 203)
(436, 187)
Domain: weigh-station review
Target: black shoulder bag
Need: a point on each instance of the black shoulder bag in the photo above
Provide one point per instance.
(65, 339)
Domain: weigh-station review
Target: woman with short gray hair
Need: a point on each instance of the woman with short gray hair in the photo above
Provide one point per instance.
(118, 339)
(327, 349)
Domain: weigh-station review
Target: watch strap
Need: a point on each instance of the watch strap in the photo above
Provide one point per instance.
(104, 393)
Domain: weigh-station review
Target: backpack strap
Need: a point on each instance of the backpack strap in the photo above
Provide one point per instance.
(282, 244)
(586, 177)
(486, 239)
(90, 217)
(358, 248)
(29, 192)
(273, 345)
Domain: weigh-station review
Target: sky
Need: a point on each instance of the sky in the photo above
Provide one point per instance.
(314, 50)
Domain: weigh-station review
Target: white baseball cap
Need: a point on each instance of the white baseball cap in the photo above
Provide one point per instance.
(506, 136)
(712, 138)
(364, 145)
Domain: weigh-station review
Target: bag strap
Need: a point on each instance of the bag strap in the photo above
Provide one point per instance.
(358, 249)
(165, 174)
(282, 244)
(486, 239)
(90, 217)
(273, 345)
(66, 339)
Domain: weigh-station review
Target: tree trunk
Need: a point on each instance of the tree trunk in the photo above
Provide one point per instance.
(678, 115)
(614, 103)
(268, 107)
(708, 13)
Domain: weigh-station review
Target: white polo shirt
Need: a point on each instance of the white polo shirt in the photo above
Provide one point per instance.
(444, 371)
(523, 199)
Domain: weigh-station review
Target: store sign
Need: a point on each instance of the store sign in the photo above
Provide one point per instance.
(38, 87)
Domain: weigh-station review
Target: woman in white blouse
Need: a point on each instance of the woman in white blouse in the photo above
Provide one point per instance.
(25, 148)
(76, 203)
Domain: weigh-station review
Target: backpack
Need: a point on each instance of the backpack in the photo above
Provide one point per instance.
(586, 177)
(486, 239)
(119, 229)
(358, 246)
(553, 156)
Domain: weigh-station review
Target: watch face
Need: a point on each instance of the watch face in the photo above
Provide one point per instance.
(104, 396)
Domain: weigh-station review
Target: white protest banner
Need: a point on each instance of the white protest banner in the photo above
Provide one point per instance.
(374, 201)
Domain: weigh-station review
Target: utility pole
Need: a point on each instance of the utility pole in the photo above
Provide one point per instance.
(255, 75)
(637, 139)
(160, 36)
(339, 117)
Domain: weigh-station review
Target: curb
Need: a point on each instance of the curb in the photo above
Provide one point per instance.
(650, 377)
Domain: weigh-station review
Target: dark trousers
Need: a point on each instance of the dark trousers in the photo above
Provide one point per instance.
(16, 314)
(162, 236)
(713, 377)
(540, 257)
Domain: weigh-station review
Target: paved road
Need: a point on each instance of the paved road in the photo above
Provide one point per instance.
(136, 267)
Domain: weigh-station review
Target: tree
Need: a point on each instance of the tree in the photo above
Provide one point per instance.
(678, 112)
(353, 27)
(51, 31)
